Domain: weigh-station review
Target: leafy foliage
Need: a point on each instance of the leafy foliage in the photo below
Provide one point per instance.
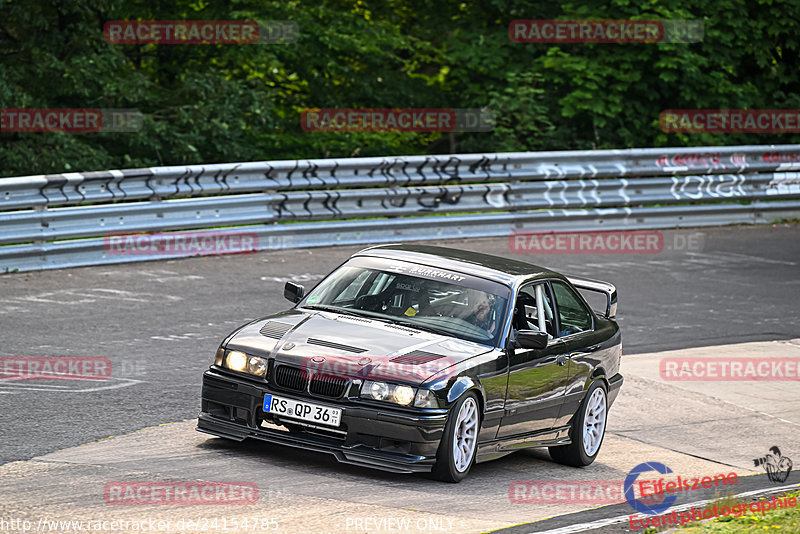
(220, 103)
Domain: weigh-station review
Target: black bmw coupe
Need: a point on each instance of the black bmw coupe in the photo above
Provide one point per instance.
(414, 358)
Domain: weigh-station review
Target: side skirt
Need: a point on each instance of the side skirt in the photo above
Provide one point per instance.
(491, 450)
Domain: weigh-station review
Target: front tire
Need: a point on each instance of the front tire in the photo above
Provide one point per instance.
(588, 429)
(456, 453)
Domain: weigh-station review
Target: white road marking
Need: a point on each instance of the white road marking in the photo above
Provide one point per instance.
(160, 275)
(10, 383)
(755, 258)
(72, 297)
(15, 388)
(180, 337)
(305, 277)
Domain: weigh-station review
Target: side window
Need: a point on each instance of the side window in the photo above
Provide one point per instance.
(526, 311)
(572, 314)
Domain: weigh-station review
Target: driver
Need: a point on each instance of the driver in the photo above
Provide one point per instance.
(481, 312)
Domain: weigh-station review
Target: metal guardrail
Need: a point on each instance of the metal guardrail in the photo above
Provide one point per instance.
(65, 220)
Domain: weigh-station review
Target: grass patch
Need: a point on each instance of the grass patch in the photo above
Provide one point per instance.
(785, 520)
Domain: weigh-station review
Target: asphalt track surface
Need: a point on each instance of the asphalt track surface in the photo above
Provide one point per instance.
(160, 322)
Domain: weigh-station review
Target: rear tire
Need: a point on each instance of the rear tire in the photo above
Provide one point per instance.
(456, 453)
(588, 429)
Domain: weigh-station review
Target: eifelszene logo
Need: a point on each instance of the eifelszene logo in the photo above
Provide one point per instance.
(649, 507)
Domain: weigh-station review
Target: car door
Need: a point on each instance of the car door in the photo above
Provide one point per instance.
(579, 341)
(537, 379)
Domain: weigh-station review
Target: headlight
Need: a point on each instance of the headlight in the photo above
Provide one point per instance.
(236, 361)
(239, 361)
(426, 399)
(403, 395)
(257, 366)
(381, 391)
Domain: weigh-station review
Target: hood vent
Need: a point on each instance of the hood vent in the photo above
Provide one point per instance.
(275, 329)
(417, 357)
(332, 345)
(351, 318)
(402, 328)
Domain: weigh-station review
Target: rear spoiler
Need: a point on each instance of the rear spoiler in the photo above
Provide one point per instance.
(605, 288)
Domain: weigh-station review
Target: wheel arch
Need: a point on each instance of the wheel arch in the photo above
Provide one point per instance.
(464, 385)
(598, 374)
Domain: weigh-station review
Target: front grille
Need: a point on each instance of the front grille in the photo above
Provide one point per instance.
(328, 386)
(417, 357)
(291, 378)
(333, 345)
(297, 380)
(274, 329)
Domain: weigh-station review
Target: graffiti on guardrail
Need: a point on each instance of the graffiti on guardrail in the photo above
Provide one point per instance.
(377, 199)
(703, 160)
(713, 185)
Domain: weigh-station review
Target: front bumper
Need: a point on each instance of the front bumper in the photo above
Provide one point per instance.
(372, 437)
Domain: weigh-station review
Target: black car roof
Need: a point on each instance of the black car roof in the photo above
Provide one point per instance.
(496, 268)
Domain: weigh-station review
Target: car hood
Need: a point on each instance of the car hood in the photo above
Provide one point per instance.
(354, 347)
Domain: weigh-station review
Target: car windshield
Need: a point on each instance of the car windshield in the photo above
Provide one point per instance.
(422, 297)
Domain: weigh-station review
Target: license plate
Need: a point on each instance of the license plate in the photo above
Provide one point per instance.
(305, 411)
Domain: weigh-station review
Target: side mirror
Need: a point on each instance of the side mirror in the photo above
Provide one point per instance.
(293, 292)
(531, 339)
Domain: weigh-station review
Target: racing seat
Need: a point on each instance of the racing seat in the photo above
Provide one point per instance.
(423, 298)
